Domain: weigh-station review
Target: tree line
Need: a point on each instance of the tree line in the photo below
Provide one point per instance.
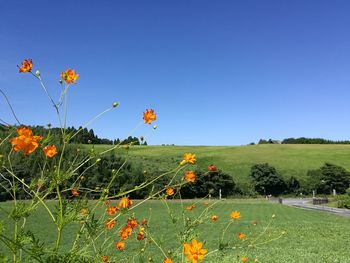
(84, 136)
(302, 140)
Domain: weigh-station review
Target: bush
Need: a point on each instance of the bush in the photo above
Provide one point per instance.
(329, 177)
(343, 201)
(266, 180)
(210, 183)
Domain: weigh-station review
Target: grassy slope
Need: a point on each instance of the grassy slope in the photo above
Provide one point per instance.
(288, 159)
(311, 236)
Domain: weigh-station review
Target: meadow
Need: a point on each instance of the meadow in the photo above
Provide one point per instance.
(310, 236)
(289, 159)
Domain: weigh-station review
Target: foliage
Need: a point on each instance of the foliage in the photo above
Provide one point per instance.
(209, 184)
(266, 180)
(303, 140)
(329, 177)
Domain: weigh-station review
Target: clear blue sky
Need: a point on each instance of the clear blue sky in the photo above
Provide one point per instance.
(216, 72)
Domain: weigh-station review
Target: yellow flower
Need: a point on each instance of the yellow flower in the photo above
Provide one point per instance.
(167, 260)
(124, 203)
(194, 251)
(69, 76)
(149, 116)
(27, 66)
(105, 259)
(169, 191)
(84, 212)
(190, 176)
(241, 236)
(50, 151)
(188, 158)
(235, 215)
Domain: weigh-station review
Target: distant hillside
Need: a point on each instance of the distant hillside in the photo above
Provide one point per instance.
(288, 159)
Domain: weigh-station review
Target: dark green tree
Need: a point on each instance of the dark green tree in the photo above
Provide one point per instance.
(266, 180)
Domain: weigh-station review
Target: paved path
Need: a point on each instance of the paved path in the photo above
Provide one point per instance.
(306, 203)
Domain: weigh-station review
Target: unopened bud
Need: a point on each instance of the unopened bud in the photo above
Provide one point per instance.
(154, 127)
(60, 81)
(115, 104)
(37, 73)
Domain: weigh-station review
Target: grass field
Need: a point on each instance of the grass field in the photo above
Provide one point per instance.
(289, 160)
(311, 236)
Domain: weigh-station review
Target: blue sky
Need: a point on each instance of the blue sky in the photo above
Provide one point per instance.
(216, 72)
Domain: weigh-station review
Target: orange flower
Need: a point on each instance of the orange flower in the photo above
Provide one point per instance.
(235, 215)
(212, 168)
(244, 259)
(144, 222)
(27, 66)
(167, 260)
(190, 208)
(75, 192)
(69, 76)
(112, 210)
(169, 191)
(125, 233)
(105, 259)
(120, 245)
(109, 223)
(214, 218)
(50, 151)
(124, 203)
(132, 222)
(149, 116)
(241, 236)
(194, 251)
(140, 236)
(188, 158)
(25, 142)
(190, 176)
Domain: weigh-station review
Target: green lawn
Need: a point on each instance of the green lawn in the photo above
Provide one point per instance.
(311, 236)
(289, 160)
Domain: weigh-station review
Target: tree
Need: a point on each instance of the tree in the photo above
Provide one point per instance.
(266, 180)
(293, 184)
(210, 183)
(329, 177)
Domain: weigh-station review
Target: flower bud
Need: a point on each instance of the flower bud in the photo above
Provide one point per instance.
(60, 81)
(37, 73)
(115, 104)
(154, 127)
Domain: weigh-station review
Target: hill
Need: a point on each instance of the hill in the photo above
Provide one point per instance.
(289, 160)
